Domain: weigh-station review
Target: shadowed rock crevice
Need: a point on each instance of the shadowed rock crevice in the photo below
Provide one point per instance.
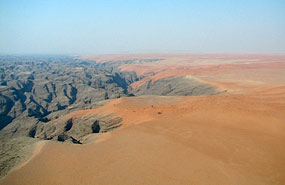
(32, 132)
(96, 127)
(75, 141)
(6, 104)
(5, 120)
(68, 125)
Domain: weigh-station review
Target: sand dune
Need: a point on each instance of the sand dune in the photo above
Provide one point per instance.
(232, 138)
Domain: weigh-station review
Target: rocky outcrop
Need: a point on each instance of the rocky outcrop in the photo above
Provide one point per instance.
(176, 86)
(40, 86)
(76, 130)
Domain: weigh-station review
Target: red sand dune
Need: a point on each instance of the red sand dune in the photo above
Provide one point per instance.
(232, 138)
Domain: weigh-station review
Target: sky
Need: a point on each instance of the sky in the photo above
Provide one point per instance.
(141, 26)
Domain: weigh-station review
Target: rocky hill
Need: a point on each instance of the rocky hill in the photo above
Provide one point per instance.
(37, 87)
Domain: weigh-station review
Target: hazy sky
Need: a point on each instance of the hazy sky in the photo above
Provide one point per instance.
(127, 26)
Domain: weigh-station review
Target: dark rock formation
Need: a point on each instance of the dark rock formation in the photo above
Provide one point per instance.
(76, 131)
(176, 86)
(68, 125)
(40, 86)
(62, 137)
(96, 127)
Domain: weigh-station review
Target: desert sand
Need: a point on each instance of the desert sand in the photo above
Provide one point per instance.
(236, 137)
